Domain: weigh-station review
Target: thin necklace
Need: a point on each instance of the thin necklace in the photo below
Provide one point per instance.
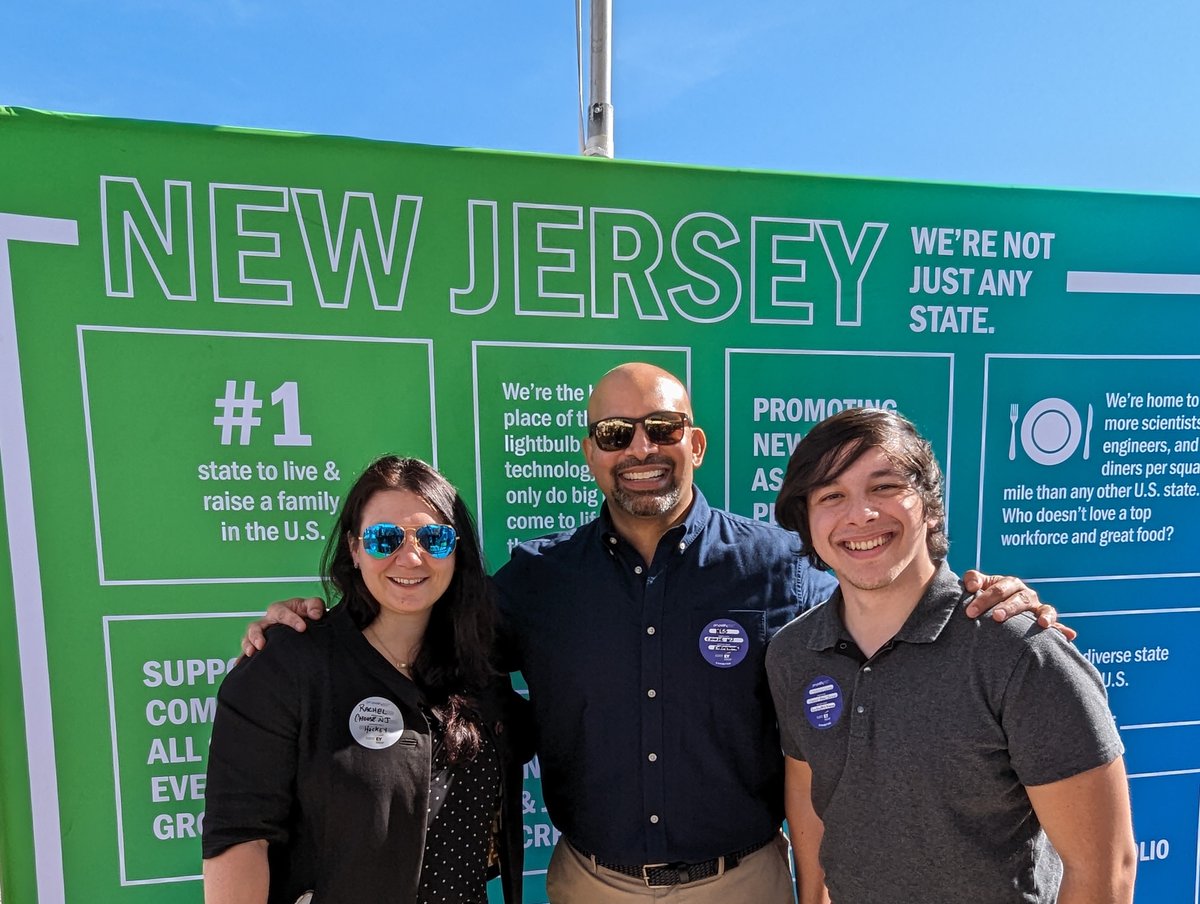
(396, 660)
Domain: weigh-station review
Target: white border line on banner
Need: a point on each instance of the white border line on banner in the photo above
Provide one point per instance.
(26, 571)
(1187, 610)
(1104, 282)
(730, 352)
(112, 722)
(685, 350)
(82, 329)
(987, 360)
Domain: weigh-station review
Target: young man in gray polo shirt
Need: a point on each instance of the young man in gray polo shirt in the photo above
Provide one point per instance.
(931, 758)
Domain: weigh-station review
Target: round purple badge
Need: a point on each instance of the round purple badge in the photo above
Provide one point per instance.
(823, 702)
(723, 643)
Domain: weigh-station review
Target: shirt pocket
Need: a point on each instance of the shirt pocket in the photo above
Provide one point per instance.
(754, 621)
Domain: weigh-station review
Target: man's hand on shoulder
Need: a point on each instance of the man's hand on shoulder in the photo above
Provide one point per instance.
(1007, 596)
(291, 613)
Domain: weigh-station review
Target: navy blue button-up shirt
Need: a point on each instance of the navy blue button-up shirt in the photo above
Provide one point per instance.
(656, 732)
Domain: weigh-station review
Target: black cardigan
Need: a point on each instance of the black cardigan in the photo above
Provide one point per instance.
(341, 817)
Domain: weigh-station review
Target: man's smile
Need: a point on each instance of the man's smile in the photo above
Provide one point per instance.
(865, 545)
(643, 473)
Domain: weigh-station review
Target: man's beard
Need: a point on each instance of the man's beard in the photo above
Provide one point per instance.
(645, 504)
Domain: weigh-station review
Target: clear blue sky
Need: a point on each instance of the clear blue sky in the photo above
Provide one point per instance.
(1064, 93)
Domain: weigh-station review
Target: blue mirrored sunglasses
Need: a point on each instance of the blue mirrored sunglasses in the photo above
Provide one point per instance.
(381, 540)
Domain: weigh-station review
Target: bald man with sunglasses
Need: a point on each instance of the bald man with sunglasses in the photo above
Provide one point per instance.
(642, 636)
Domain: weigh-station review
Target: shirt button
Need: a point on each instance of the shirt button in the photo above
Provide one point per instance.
(859, 709)
(637, 569)
(653, 757)
(682, 545)
(652, 693)
(654, 818)
(650, 630)
(866, 668)
(612, 540)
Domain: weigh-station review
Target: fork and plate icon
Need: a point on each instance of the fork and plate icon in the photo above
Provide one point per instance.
(1050, 431)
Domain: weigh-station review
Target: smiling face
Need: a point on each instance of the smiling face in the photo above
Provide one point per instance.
(644, 480)
(869, 525)
(409, 581)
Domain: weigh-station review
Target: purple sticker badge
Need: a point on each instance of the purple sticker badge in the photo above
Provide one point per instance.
(823, 702)
(723, 643)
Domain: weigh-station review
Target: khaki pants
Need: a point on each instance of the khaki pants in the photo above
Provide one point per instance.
(761, 878)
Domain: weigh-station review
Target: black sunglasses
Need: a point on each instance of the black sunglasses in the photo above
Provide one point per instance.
(663, 428)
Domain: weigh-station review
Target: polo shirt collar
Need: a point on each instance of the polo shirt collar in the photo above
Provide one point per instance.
(827, 623)
(924, 624)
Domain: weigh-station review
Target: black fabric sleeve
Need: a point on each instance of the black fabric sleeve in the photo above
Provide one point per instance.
(518, 719)
(508, 652)
(253, 755)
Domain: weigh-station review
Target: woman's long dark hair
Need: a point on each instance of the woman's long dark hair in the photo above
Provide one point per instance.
(454, 663)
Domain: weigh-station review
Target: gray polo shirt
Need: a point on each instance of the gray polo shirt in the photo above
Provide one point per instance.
(920, 755)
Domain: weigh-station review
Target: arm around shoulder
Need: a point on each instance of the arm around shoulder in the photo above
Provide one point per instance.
(1087, 819)
(291, 612)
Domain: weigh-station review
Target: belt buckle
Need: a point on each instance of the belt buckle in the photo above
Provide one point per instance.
(646, 875)
(680, 869)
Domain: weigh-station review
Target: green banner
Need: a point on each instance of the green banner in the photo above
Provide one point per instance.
(206, 332)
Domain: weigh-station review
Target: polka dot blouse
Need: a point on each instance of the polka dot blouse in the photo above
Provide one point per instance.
(462, 802)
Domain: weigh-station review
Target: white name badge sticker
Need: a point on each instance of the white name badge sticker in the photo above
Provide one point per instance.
(376, 723)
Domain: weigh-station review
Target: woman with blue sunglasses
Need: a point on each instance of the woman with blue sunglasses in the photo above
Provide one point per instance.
(377, 755)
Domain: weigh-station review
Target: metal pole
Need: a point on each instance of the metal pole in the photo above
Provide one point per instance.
(600, 109)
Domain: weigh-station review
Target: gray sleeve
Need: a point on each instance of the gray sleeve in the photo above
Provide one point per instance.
(1055, 713)
(779, 677)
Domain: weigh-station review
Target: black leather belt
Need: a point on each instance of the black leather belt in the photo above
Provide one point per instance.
(662, 875)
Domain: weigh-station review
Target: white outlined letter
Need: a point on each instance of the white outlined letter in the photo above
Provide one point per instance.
(165, 239)
(848, 262)
(626, 246)
(706, 267)
(358, 246)
(483, 257)
(232, 203)
(531, 223)
(768, 303)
